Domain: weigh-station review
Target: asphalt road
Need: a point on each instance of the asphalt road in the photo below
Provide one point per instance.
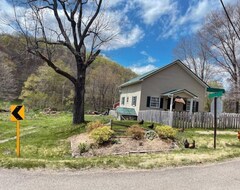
(216, 176)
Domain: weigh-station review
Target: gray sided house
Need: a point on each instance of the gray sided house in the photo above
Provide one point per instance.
(173, 87)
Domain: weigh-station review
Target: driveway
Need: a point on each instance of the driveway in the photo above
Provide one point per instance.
(215, 176)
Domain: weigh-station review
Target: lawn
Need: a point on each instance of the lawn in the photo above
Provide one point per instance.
(44, 144)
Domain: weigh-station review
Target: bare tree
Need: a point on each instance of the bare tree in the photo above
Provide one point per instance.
(79, 26)
(229, 19)
(222, 43)
(193, 54)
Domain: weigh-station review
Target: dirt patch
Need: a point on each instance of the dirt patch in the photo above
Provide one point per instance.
(122, 145)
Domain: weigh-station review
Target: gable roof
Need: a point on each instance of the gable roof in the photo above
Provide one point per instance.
(150, 73)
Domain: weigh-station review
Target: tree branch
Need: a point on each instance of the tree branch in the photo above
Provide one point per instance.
(90, 23)
(54, 67)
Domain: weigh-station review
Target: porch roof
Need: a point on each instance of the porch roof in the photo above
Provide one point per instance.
(126, 111)
(177, 91)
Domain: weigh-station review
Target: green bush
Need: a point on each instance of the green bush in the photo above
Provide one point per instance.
(101, 134)
(83, 147)
(93, 125)
(136, 132)
(166, 131)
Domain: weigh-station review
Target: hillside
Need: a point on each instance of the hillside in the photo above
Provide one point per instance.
(16, 66)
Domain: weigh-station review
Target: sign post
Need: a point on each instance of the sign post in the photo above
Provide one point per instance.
(217, 92)
(17, 113)
(215, 122)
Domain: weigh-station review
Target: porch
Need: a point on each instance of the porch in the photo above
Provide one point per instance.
(179, 100)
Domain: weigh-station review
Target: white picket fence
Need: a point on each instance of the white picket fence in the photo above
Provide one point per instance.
(187, 120)
(156, 116)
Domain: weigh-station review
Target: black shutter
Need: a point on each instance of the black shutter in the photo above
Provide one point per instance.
(161, 103)
(168, 103)
(174, 105)
(148, 101)
(185, 106)
(197, 106)
(193, 106)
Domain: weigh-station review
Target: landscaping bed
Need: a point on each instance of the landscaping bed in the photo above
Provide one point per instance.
(121, 146)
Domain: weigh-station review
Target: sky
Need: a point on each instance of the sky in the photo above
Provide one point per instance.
(148, 31)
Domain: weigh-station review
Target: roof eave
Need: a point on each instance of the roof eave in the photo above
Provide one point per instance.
(132, 83)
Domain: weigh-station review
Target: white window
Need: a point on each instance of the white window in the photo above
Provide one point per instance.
(123, 101)
(134, 100)
(155, 102)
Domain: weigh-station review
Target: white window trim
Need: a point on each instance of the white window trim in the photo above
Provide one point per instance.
(123, 102)
(132, 101)
(188, 101)
(159, 101)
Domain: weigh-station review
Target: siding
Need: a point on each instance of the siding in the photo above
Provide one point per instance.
(173, 77)
(129, 92)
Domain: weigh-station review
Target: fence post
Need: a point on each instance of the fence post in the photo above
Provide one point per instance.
(170, 118)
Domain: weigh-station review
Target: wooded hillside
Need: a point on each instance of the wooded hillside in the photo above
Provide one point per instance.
(24, 76)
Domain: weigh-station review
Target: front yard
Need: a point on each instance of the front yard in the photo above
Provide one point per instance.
(45, 143)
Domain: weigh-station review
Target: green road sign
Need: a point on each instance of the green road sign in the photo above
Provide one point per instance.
(215, 90)
(216, 94)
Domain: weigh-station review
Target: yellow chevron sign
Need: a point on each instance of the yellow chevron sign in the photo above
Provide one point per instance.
(17, 113)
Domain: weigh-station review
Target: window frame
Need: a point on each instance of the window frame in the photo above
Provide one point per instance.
(188, 105)
(135, 101)
(123, 101)
(159, 101)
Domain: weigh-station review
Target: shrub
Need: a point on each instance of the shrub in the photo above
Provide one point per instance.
(93, 125)
(166, 131)
(83, 147)
(102, 134)
(136, 132)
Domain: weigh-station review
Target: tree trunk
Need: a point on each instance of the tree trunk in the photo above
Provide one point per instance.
(78, 107)
(237, 107)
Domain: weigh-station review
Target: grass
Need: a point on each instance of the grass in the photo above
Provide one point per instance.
(47, 145)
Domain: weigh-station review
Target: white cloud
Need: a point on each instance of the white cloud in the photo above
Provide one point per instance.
(142, 69)
(125, 38)
(149, 59)
(114, 22)
(191, 20)
(151, 11)
(6, 17)
(113, 3)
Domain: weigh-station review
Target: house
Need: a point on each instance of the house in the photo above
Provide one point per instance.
(173, 87)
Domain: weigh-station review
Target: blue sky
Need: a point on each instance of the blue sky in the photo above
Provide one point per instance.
(148, 30)
(162, 24)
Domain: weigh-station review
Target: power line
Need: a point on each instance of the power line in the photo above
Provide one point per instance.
(225, 10)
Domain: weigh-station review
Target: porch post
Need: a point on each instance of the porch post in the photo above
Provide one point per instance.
(171, 105)
(191, 106)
